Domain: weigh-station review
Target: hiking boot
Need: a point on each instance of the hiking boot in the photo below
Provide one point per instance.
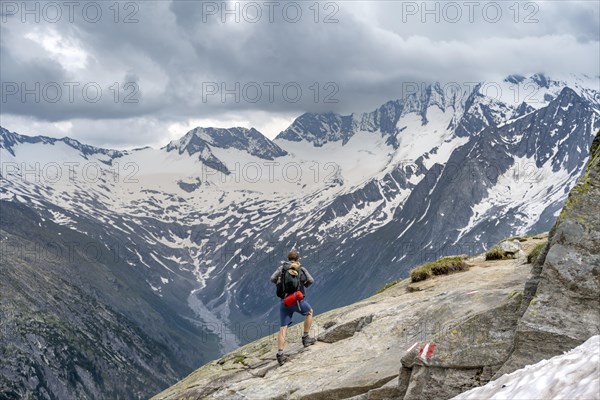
(281, 358)
(308, 341)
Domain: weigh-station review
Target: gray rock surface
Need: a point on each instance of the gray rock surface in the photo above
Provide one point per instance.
(510, 247)
(344, 330)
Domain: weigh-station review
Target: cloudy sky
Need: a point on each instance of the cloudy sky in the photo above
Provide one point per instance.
(130, 74)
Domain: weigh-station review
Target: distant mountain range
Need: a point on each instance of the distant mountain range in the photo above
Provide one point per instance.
(201, 223)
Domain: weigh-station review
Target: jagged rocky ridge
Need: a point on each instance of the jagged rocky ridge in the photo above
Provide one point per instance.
(493, 319)
(201, 140)
(8, 141)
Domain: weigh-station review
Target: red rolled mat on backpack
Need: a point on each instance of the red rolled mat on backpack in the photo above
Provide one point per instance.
(293, 299)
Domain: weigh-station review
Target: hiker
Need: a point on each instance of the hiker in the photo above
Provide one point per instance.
(291, 277)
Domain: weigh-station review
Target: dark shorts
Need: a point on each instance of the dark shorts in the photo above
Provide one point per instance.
(286, 313)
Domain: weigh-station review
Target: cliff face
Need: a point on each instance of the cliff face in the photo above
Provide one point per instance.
(563, 308)
(437, 338)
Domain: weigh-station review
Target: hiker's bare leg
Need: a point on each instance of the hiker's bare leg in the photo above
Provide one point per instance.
(308, 321)
(281, 337)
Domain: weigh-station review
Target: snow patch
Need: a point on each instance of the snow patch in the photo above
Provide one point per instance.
(573, 375)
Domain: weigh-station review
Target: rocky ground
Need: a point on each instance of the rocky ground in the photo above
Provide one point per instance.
(369, 350)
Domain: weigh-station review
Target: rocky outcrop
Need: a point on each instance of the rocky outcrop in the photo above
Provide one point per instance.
(564, 311)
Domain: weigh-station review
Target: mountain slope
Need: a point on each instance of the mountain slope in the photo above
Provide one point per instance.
(74, 322)
(505, 181)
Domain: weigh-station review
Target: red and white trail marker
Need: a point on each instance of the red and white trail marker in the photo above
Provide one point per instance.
(427, 351)
(473, 292)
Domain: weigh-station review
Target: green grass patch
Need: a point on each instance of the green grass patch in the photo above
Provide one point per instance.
(232, 358)
(443, 266)
(388, 285)
(535, 252)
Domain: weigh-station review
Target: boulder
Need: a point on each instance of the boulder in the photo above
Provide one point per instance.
(510, 247)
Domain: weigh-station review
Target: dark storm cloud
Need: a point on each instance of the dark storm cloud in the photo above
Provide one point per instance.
(166, 67)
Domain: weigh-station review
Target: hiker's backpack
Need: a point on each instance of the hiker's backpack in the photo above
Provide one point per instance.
(287, 283)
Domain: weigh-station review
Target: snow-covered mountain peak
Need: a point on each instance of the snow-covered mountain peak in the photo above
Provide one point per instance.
(202, 142)
(539, 89)
(319, 129)
(461, 109)
(203, 139)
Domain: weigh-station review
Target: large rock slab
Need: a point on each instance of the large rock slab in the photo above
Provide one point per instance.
(467, 353)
